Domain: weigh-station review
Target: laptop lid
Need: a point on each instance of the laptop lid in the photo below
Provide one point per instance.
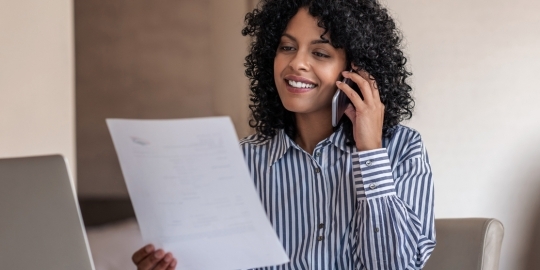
(40, 221)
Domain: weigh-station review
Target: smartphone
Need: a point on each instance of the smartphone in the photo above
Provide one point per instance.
(340, 100)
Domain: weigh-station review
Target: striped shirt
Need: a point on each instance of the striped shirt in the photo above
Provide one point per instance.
(342, 209)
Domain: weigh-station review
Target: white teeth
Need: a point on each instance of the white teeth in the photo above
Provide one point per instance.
(300, 84)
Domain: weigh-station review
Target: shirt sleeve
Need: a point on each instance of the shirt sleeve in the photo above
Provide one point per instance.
(395, 226)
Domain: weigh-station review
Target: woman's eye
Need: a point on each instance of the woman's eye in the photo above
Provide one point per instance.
(286, 48)
(318, 54)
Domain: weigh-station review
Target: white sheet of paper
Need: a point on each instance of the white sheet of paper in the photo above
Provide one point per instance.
(193, 194)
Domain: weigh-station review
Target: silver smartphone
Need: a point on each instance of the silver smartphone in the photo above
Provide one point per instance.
(340, 101)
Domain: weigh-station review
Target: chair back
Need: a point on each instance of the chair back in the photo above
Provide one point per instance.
(467, 244)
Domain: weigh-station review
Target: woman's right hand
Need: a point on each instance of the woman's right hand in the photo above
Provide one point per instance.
(147, 258)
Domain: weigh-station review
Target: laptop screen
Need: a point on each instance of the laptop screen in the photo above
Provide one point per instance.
(40, 221)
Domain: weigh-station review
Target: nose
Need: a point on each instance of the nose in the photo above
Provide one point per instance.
(300, 61)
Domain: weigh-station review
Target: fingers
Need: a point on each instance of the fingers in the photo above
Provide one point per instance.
(166, 263)
(146, 258)
(362, 83)
(172, 266)
(353, 96)
(372, 83)
(151, 261)
(142, 253)
(351, 113)
(367, 84)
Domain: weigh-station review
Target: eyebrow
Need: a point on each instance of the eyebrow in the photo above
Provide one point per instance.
(317, 41)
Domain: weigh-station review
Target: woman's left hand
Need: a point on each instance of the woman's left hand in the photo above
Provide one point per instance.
(366, 115)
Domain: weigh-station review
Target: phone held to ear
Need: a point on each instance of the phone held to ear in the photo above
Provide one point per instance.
(340, 101)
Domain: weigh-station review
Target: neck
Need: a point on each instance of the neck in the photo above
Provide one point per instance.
(312, 128)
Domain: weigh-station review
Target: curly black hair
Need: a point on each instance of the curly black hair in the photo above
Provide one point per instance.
(362, 28)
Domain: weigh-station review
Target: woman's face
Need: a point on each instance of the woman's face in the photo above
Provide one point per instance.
(306, 67)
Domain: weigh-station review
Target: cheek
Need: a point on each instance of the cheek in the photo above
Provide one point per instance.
(276, 69)
(331, 74)
(279, 63)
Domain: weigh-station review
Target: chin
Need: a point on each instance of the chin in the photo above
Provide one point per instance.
(300, 107)
(295, 108)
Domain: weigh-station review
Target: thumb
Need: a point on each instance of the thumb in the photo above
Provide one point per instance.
(351, 113)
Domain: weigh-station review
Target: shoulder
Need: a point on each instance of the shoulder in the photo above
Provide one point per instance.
(258, 150)
(405, 143)
(405, 134)
(254, 144)
(254, 140)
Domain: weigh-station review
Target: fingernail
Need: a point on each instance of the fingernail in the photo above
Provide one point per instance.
(168, 257)
(148, 248)
(173, 264)
(338, 82)
(158, 254)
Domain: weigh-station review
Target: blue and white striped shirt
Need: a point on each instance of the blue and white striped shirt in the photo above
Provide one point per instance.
(344, 209)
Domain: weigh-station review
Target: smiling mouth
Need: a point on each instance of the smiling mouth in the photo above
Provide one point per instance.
(302, 85)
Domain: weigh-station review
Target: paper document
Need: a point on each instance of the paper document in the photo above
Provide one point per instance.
(193, 194)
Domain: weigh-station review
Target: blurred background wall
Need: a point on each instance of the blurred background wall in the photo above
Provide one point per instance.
(153, 59)
(37, 113)
(476, 68)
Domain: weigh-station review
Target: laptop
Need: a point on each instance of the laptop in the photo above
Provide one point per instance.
(40, 221)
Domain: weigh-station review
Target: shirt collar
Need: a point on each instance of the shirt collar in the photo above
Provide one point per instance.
(339, 139)
(282, 142)
(279, 146)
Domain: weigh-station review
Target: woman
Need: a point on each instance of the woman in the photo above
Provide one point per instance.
(358, 196)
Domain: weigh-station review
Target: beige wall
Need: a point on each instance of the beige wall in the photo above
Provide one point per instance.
(476, 66)
(36, 78)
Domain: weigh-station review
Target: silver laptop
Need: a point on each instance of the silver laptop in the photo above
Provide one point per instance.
(40, 221)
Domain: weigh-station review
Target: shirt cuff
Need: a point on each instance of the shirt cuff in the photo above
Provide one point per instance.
(373, 174)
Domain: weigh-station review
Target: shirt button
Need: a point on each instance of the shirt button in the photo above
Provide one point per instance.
(320, 238)
(317, 154)
(321, 226)
(368, 163)
(376, 230)
(317, 170)
(372, 186)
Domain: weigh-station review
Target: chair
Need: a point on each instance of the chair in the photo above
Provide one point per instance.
(467, 244)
